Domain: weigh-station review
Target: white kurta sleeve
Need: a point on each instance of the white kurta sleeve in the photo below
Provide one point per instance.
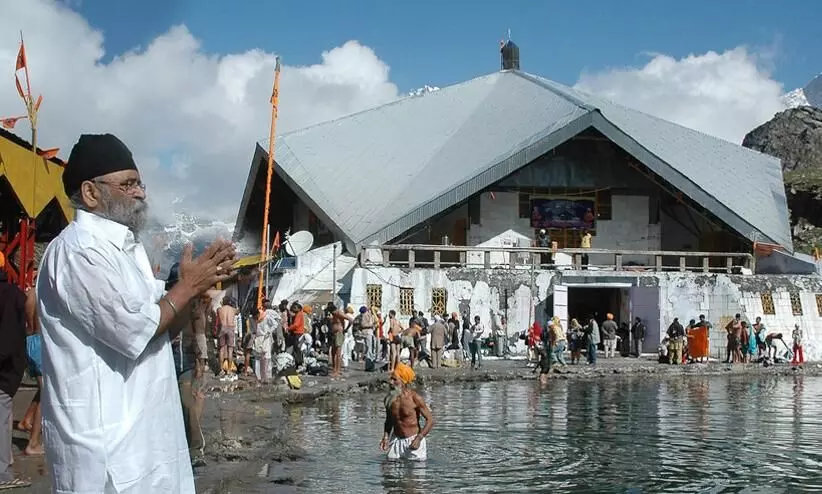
(95, 294)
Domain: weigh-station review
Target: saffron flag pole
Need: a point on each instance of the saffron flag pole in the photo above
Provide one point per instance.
(275, 98)
(27, 223)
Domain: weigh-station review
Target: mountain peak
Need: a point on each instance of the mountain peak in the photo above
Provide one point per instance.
(813, 91)
(810, 95)
(795, 98)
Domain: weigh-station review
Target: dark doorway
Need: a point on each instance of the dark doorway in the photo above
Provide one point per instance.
(596, 301)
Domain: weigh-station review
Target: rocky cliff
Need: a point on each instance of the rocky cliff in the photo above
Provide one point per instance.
(795, 136)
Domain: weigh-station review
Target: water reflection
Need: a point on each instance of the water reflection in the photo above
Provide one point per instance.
(406, 477)
(699, 434)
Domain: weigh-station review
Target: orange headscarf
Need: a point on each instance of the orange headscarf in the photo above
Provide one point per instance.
(404, 373)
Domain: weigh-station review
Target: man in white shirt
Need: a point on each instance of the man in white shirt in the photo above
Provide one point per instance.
(112, 419)
(477, 331)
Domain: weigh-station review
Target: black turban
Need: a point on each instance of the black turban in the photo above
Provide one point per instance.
(93, 156)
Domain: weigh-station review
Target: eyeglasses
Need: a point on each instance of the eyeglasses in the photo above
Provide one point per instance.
(127, 186)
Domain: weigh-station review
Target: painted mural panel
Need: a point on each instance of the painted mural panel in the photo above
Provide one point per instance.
(563, 212)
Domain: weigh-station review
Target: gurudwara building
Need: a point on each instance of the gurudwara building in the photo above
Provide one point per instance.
(433, 203)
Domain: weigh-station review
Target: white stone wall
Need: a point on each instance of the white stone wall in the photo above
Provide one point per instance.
(482, 298)
(687, 296)
(628, 229)
(657, 298)
(783, 320)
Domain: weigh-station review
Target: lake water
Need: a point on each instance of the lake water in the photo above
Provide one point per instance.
(731, 433)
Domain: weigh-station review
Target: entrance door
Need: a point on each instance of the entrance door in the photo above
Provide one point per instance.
(596, 301)
(561, 304)
(645, 305)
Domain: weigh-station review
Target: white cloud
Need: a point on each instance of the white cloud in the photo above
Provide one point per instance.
(722, 94)
(190, 117)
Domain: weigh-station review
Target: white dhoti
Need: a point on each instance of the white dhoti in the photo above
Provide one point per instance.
(347, 348)
(400, 448)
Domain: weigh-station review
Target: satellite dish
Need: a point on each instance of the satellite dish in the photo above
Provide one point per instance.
(299, 243)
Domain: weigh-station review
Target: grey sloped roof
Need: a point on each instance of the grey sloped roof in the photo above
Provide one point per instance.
(728, 179)
(376, 174)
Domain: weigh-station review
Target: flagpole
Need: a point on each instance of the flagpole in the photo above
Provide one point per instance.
(275, 98)
(27, 221)
(32, 114)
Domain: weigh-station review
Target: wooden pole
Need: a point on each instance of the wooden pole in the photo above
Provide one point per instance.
(27, 249)
(275, 97)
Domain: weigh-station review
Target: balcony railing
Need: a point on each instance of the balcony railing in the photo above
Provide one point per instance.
(447, 256)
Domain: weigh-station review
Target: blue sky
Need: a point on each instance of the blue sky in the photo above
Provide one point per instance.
(443, 42)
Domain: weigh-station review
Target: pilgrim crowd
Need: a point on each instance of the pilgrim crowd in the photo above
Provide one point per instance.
(745, 342)
(291, 339)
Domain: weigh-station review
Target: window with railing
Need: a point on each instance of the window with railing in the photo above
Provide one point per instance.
(439, 301)
(374, 295)
(407, 301)
(796, 304)
(767, 304)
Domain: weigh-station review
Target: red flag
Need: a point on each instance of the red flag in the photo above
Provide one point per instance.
(39, 100)
(21, 58)
(48, 153)
(19, 87)
(277, 241)
(9, 123)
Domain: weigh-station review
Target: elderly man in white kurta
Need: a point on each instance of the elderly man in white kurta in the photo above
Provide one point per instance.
(112, 420)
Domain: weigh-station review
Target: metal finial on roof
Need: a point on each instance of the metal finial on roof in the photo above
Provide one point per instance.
(509, 34)
(509, 52)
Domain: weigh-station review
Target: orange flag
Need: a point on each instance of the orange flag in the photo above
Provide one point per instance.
(19, 87)
(39, 101)
(48, 153)
(21, 64)
(21, 58)
(277, 241)
(9, 123)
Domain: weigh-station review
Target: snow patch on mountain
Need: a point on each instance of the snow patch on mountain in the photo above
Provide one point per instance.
(795, 98)
(810, 95)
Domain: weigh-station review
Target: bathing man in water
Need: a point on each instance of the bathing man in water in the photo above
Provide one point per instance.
(403, 436)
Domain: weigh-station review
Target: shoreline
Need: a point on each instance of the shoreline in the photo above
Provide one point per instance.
(358, 381)
(246, 431)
